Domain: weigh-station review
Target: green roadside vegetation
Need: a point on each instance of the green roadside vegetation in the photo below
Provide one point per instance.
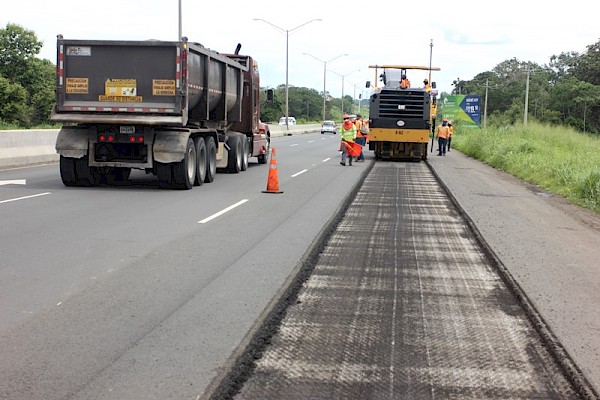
(556, 158)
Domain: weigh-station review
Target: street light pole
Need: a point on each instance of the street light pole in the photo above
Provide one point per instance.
(324, 75)
(287, 41)
(180, 32)
(343, 76)
(359, 95)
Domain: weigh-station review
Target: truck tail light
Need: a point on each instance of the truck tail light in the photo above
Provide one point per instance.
(134, 139)
(106, 138)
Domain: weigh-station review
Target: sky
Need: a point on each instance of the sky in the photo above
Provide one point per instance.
(468, 37)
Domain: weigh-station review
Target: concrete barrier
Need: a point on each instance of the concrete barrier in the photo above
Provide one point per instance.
(19, 148)
(281, 130)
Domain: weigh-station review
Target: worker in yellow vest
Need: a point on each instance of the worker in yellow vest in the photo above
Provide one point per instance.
(426, 85)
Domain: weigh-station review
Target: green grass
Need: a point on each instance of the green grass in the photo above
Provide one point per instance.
(557, 159)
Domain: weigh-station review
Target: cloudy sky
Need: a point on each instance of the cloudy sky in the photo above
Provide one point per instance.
(468, 37)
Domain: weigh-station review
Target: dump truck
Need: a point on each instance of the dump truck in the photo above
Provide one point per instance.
(174, 109)
(401, 119)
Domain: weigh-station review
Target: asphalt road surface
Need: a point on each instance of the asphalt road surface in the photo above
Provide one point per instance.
(120, 293)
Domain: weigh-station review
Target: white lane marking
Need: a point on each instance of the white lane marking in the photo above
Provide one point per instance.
(310, 141)
(23, 198)
(327, 159)
(299, 173)
(231, 207)
(295, 144)
(13, 182)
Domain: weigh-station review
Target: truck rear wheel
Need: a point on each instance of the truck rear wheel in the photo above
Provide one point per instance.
(200, 160)
(76, 172)
(262, 158)
(245, 151)
(234, 157)
(211, 159)
(184, 171)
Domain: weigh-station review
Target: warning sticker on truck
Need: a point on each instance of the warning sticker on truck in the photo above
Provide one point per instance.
(163, 87)
(120, 90)
(134, 99)
(77, 85)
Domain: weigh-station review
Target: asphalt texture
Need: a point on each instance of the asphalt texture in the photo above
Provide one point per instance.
(403, 299)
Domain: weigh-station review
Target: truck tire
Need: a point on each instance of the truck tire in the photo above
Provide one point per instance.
(263, 158)
(76, 172)
(164, 174)
(245, 152)
(200, 160)
(211, 159)
(234, 157)
(184, 171)
(67, 171)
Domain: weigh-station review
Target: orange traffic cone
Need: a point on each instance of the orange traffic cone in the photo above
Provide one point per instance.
(273, 180)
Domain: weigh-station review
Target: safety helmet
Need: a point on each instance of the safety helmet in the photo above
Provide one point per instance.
(425, 80)
(346, 116)
(445, 120)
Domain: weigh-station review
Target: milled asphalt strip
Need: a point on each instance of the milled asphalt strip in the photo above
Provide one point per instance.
(231, 207)
(24, 198)
(459, 332)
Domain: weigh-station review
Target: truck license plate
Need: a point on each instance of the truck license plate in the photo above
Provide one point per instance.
(127, 129)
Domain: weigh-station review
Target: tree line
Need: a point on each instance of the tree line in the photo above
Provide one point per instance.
(564, 91)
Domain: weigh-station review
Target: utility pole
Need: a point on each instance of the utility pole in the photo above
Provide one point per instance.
(526, 97)
(485, 104)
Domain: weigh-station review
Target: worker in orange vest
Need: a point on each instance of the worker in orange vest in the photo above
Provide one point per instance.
(404, 83)
(442, 135)
(360, 137)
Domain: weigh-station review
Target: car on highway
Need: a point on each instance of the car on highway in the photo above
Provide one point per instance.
(291, 121)
(329, 127)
